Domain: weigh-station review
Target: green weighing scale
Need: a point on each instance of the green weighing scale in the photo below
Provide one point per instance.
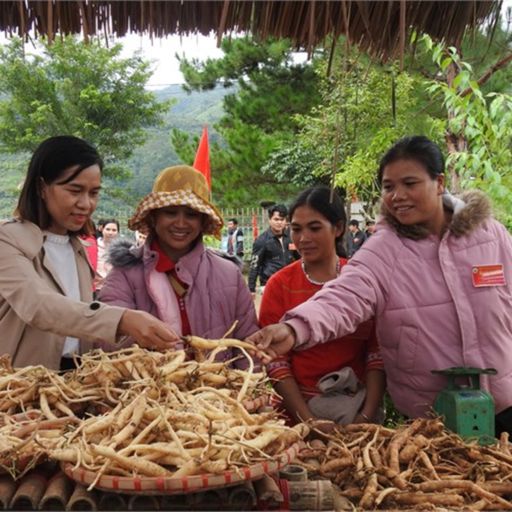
(465, 408)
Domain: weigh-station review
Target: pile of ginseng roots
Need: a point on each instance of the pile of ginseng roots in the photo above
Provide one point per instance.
(141, 413)
(417, 465)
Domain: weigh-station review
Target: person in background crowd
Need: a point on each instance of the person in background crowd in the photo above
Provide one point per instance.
(370, 229)
(99, 228)
(173, 275)
(356, 237)
(47, 315)
(271, 250)
(91, 247)
(437, 272)
(317, 227)
(235, 239)
(109, 233)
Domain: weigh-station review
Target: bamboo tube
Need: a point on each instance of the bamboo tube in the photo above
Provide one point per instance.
(213, 499)
(7, 488)
(57, 493)
(82, 499)
(242, 497)
(29, 493)
(175, 502)
(142, 502)
(112, 501)
(293, 473)
(310, 495)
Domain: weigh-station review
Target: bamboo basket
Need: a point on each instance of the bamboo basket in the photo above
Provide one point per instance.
(181, 485)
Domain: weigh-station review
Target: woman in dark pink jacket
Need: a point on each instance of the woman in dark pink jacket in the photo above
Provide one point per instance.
(437, 277)
(173, 276)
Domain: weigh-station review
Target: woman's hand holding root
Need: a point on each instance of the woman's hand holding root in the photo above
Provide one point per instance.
(273, 340)
(147, 330)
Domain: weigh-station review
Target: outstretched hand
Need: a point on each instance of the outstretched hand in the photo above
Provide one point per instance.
(147, 330)
(273, 340)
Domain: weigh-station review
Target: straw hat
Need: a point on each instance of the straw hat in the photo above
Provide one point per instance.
(180, 185)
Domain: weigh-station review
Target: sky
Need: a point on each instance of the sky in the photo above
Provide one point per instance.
(162, 53)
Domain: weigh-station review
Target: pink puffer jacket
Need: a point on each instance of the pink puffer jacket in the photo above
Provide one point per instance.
(429, 313)
(217, 296)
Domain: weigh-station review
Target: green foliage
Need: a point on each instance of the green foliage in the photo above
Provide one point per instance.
(80, 89)
(483, 122)
(243, 57)
(233, 186)
(365, 108)
(11, 177)
(258, 116)
(294, 164)
(480, 50)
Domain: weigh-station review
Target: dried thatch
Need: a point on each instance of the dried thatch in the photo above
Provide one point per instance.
(382, 27)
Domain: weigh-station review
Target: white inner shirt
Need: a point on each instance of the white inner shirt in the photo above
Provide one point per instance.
(61, 256)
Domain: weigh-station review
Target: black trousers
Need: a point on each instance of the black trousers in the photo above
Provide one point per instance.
(67, 363)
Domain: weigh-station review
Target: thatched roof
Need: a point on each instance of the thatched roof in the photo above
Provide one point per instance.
(382, 27)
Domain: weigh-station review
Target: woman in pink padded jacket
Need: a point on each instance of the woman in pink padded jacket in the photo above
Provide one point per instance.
(436, 276)
(173, 276)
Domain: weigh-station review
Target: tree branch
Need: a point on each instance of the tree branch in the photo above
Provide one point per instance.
(495, 67)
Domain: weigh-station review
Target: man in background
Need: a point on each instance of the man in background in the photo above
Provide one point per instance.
(235, 239)
(272, 249)
(356, 237)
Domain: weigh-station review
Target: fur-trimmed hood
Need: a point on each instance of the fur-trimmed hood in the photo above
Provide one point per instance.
(124, 253)
(469, 211)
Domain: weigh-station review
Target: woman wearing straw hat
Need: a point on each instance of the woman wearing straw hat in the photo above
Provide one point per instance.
(173, 276)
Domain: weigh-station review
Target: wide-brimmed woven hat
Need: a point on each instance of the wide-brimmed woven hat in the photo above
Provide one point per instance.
(180, 185)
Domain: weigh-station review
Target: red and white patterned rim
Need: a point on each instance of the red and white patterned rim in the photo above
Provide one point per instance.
(181, 485)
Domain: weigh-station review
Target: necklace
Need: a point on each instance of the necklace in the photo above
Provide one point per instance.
(314, 281)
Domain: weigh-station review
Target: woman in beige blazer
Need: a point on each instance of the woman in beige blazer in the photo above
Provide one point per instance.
(47, 313)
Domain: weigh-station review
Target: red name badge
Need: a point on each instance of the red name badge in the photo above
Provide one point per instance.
(488, 275)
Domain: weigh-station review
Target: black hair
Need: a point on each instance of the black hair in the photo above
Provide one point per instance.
(354, 222)
(319, 199)
(278, 208)
(112, 221)
(418, 148)
(98, 228)
(234, 221)
(50, 159)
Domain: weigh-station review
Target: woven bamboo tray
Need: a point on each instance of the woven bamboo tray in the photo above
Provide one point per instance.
(181, 485)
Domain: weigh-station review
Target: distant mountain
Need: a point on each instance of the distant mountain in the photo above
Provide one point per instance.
(190, 113)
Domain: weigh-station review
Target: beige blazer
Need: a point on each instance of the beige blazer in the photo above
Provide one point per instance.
(35, 315)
